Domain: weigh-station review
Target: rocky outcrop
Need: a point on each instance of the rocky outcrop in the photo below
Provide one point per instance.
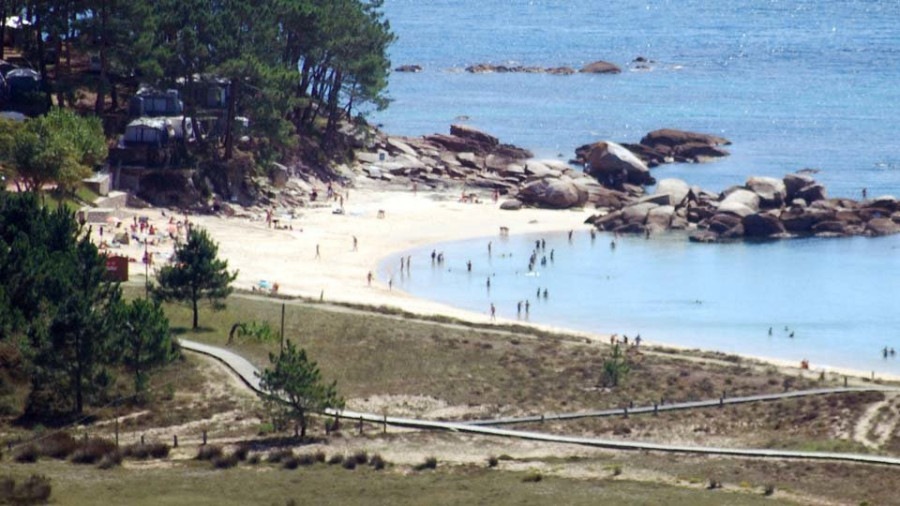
(668, 146)
(556, 193)
(757, 210)
(613, 166)
(490, 68)
(600, 67)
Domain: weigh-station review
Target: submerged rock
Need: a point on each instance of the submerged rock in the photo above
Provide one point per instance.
(600, 67)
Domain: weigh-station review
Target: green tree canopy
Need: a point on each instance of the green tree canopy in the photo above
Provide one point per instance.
(196, 273)
(143, 339)
(294, 386)
(60, 147)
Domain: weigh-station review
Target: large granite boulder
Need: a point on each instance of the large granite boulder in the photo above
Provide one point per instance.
(555, 193)
(771, 191)
(511, 205)
(762, 225)
(667, 145)
(743, 197)
(670, 137)
(613, 165)
(794, 182)
(473, 134)
(801, 220)
(882, 226)
(637, 213)
(723, 222)
(600, 67)
(676, 189)
(660, 218)
(812, 192)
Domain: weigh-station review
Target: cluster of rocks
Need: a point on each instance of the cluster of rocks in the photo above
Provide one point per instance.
(667, 146)
(763, 208)
(597, 67)
(466, 155)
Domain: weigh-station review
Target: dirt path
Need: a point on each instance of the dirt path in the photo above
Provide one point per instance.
(880, 420)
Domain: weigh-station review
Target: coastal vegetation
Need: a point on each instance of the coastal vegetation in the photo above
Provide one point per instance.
(65, 328)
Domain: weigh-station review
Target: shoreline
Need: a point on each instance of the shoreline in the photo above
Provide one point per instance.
(411, 220)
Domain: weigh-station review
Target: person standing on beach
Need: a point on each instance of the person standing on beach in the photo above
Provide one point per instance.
(469, 265)
(545, 293)
(317, 252)
(527, 306)
(519, 308)
(408, 262)
(489, 248)
(543, 244)
(433, 256)
(493, 312)
(488, 283)
(369, 277)
(551, 255)
(402, 264)
(570, 235)
(612, 245)
(354, 243)
(391, 284)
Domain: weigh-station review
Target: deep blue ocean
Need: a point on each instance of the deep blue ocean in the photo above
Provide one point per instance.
(793, 84)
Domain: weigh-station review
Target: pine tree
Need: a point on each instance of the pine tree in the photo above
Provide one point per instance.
(197, 273)
(294, 386)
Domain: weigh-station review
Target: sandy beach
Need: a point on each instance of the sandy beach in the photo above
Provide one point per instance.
(410, 219)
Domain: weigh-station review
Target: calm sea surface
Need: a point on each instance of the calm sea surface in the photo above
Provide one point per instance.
(793, 84)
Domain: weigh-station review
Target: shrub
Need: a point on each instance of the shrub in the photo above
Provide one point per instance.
(532, 477)
(254, 459)
(58, 446)
(616, 470)
(291, 462)
(222, 462)
(209, 452)
(147, 451)
(361, 457)
(279, 456)
(336, 459)
(34, 491)
(377, 462)
(241, 452)
(92, 450)
(430, 463)
(349, 463)
(493, 461)
(110, 460)
(319, 456)
(769, 490)
(306, 459)
(713, 484)
(27, 454)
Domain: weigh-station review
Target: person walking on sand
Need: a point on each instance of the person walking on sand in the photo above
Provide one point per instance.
(391, 284)
(527, 306)
(538, 293)
(402, 264)
(433, 256)
(408, 262)
(545, 293)
(355, 242)
(493, 312)
(317, 252)
(369, 277)
(570, 235)
(519, 308)
(543, 244)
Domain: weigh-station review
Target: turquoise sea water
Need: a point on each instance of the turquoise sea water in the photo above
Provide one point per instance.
(794, 84)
